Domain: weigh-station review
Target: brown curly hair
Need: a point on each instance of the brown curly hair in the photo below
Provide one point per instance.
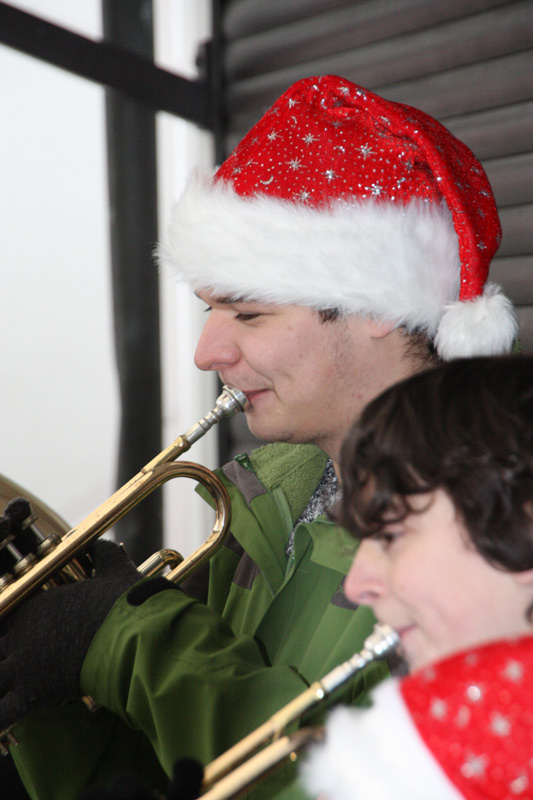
(466, 427)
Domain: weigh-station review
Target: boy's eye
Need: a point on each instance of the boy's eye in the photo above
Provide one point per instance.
(386, 538)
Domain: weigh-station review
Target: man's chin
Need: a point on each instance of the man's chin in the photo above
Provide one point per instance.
(269, 433)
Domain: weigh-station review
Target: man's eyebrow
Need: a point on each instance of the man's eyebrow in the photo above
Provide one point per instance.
(225, 299)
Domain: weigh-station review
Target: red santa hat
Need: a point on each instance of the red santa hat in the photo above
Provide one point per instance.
(338, 198)
(460, 729)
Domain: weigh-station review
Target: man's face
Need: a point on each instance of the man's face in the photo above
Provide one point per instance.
(423, 576)
(304, 379)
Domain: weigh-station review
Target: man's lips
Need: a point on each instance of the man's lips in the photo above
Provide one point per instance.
(252, 394)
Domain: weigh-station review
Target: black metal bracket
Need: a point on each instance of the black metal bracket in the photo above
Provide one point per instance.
(107, 65)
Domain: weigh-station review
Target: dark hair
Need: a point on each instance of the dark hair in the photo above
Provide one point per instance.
(466, 427)
(419, 348)
(329, 314)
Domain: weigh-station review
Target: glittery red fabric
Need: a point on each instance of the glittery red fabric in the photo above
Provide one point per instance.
(474, 712)
(327, 139)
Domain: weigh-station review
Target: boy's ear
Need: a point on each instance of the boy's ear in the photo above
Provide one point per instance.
(524, 578)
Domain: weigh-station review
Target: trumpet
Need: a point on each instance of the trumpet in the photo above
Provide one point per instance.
(244, 763)
(54, 557)
(45, 559)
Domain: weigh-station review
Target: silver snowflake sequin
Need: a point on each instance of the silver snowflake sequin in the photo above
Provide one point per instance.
(499, 725)
(474, 693)
(474, 766)
(366, 151)
(438, 708)
(514, 671)
(463, 717)
(519, 785)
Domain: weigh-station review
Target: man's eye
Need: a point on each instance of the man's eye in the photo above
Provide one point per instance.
(242, 317)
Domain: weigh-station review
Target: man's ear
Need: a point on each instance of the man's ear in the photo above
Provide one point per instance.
(379, 329)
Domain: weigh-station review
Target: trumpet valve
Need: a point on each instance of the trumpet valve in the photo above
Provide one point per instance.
(6, 740)
(159, 562)
(23, 544)
(48, 544)
(16, 563)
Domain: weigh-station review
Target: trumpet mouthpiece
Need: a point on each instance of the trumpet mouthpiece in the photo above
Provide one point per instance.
(381, 641)
(231, 401)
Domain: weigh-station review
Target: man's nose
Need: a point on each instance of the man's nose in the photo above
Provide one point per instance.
(216, 346)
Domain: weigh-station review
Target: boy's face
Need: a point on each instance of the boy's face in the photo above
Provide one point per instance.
(424, 577)
(304, 379)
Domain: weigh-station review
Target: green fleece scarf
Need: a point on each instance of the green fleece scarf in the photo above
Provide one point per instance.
(296, 468)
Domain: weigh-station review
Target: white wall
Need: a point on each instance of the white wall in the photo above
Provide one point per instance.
(188, 394)
(59, 405)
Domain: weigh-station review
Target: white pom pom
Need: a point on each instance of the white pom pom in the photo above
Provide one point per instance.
(481, 327)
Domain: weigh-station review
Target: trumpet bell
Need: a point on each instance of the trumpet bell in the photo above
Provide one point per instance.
(49, 521)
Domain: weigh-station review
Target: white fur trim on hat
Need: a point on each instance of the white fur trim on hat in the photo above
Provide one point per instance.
(484, 326)
(391, 261)
(375, 754)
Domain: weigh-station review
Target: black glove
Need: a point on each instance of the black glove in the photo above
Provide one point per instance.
(44, 641)
(124, 787)
(186, 784)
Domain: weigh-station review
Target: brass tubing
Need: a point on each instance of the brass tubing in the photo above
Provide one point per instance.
(243, 776)
(381, 642)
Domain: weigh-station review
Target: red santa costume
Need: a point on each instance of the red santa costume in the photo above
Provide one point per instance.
(461, 728)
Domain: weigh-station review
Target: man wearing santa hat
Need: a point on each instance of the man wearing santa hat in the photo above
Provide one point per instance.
(438, 478)
(342, 246)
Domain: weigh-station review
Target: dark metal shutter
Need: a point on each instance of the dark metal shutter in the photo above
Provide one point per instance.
(466, 62)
